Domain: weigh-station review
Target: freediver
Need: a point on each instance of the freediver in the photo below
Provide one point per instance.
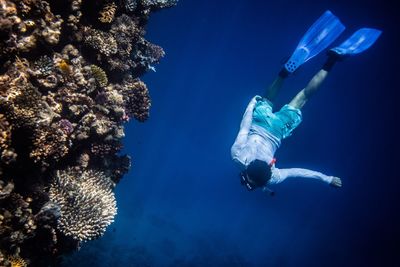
(261, 129)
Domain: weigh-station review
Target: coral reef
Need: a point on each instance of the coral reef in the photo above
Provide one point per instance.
(69, 81)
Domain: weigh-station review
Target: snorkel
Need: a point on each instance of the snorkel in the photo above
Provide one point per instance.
(257, 174)
(250, 178)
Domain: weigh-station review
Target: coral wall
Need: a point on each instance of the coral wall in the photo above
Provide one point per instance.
(69, 80)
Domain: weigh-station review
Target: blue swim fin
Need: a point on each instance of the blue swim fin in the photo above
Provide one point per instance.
(318, 37)
(360, 41)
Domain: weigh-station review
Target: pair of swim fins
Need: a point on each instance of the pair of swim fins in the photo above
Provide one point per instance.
(325, 31)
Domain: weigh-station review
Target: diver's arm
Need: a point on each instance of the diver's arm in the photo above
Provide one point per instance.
(244, 126)
(248, 114)
(279, 175)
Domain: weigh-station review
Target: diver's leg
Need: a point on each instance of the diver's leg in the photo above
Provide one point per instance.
(273, 90)
(302, 97)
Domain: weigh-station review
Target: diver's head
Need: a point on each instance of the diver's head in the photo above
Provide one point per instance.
(257, 174)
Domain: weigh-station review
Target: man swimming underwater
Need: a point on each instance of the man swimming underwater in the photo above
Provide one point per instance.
(262, 130)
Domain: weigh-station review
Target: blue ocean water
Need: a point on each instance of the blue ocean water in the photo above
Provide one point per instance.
(182, 203)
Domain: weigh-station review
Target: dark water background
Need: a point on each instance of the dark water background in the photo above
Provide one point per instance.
(182, 203)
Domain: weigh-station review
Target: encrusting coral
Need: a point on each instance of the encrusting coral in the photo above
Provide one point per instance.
(69, 80)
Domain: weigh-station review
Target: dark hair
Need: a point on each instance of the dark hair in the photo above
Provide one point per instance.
(259, 172)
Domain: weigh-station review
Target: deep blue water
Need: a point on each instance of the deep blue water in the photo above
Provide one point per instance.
(182, 203)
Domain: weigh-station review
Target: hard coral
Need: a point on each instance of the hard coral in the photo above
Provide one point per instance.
(137, 99)
(5, 133)
(125, 31)
(7, 154)
(147, 54)
(49, 144)
(50, 29)
(107, 13)
(157, 4)
(103, 42)
(86, 201)
(130, 5)
(76, 14)
(43, 66)
(100, 75)
(16, 217)
(8, 15)
(16, 261)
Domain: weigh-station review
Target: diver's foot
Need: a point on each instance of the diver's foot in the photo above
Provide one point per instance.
(333, 57)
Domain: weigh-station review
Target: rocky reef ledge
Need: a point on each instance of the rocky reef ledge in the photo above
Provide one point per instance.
(69, 81)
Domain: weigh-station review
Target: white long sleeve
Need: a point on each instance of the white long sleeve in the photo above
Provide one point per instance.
(244, 128)
(279, 175)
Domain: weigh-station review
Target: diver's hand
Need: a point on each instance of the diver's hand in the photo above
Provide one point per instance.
(336, 182)
(253, 101)
(257, 98)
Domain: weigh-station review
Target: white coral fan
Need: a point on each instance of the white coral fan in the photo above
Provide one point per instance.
(86, 201)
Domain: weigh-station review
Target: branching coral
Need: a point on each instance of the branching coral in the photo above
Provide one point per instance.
(5, 191)
(147, 54)
(46, 27)
(5, 133)
(86, 202)
(7, 153)
(102, 42)
(104, 149)
(137, 99)
(126, 31)
(50, 29)
(107, 13)
(158, 3)
(17, 261)
(75, 15)
(16, 217)
(49, 143)
(130, 5)
(66, 90)
(8, 14)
